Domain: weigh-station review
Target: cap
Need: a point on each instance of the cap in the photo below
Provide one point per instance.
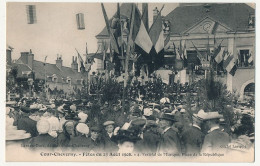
(108, 123)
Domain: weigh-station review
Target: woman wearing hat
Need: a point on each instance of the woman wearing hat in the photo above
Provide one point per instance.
(43, 140)
(80, 141)
(126, 140)
(67, 134)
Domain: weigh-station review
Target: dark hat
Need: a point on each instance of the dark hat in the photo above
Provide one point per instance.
(168, 116)
(151, 123)
(25, 109)
(126, 135)
(95, 128)
(138, 122)
(72, 116)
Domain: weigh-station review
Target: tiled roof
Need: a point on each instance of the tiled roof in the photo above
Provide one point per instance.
(51, 69)
(234, 15)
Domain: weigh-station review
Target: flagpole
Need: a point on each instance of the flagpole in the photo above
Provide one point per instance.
(128, 51)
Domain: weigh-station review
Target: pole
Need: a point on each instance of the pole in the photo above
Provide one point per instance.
(128, 51)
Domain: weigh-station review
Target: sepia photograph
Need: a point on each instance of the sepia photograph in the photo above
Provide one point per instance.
(137, 82)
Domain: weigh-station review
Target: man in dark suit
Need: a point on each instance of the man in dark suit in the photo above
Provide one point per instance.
(169, 142)
(192, 137)
(109, 145)
(216, 140)
(94, 142)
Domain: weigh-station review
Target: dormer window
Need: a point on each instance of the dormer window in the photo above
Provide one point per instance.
(54, 78)
(69, 80)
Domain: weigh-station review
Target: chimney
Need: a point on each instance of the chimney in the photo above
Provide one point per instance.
(59, 61)
(155, 13)
(9, 56)
(28, 58)
(145, 15)
(74, 64)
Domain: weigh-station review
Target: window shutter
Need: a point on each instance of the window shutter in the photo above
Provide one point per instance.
(31, 14)
(80, 21)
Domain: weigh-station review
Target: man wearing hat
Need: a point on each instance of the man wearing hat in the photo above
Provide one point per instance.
(216, 139)
(94, 142)
(192, 137)
(170, 141)
(109, 145)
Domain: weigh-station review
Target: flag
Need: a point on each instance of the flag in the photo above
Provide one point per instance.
(145, 17)
(231, 63)
(219, 56)
(201, 58)
(227, 59)
(140, 35)
(82, 67)
(208, 50)
(156, 34)
(113, 41)
(180, 49)
(250, 59)
(86, 49)
(234, 69)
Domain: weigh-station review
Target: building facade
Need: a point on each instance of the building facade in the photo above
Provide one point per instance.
(205, 26)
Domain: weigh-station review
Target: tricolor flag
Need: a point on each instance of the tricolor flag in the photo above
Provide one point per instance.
(156, 34)
(113, 41)
(201, 58)
(230, 64)
(219, 57)
(82, 67)
(140, 35)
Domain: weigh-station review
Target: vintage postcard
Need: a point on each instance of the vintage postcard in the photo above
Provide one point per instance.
(130, 82)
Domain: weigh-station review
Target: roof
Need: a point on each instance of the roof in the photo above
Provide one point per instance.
(51, 69)
(125, 11)
(234, 15)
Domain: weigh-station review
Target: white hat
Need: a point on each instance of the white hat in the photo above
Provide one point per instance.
(52, 105)
(83, 117)
(148, 111)
(82, 128)
(73, 107)
(183, 110)
(43, 126)
(208, 115)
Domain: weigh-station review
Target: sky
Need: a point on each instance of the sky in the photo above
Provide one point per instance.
(56, 31)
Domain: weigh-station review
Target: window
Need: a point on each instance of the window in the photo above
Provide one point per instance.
(54, 78)
(31, 14)
(244, 58)
(80, 21)
(69, 80)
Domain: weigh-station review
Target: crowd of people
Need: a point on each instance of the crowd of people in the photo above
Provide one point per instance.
(139, 126)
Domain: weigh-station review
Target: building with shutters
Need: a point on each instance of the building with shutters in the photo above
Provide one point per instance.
(59, 78)
(205, 25)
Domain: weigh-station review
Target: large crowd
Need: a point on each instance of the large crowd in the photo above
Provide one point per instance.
(133, 126)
